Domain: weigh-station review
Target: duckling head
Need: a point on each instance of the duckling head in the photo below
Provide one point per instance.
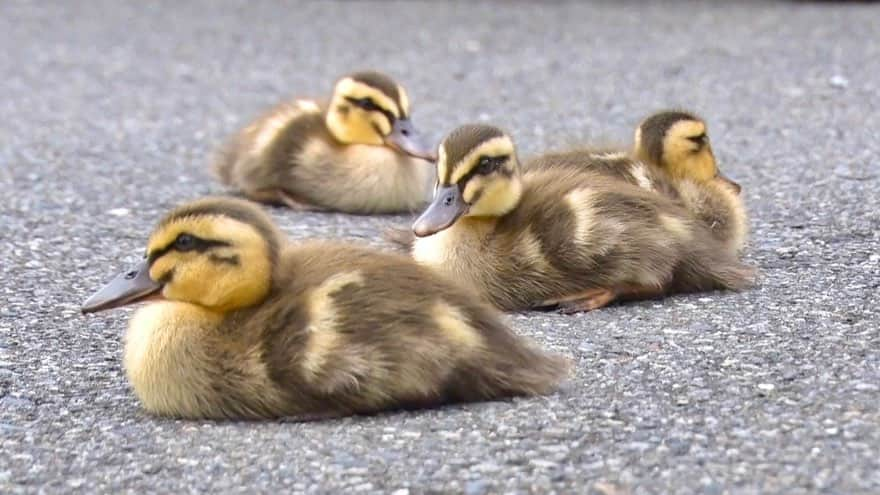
(478, 175)
(370, 108)
(679, 143)
(215, 253)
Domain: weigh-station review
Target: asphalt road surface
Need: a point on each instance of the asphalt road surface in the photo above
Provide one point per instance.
(109, 109)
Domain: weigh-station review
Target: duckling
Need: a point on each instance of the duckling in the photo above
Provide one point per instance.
(671, 156)
(242, 324)
(677, 143)
(358, 154)
(559, 236)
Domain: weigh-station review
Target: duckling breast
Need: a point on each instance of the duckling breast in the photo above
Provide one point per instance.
(178, 367)
(359, 178)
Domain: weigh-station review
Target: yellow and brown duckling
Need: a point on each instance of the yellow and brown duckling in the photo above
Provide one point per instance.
(671, 156)
(677, 143)
(559, 236)
(358, 154)
(241, 324)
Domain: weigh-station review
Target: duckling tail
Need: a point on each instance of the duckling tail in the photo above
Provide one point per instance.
(223, 161)
(509, 366)
(713, 267)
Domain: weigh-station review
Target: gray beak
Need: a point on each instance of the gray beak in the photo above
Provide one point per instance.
(406, 139)
(127, 288)
(443, 211)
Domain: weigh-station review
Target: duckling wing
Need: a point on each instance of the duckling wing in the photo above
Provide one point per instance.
(256, 157)
(356, 331)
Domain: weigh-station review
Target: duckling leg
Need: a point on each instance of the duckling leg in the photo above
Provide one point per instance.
(598, 298)
(587, 300)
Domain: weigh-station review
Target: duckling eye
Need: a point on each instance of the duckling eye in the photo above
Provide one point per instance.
(366, 103)
(699, 140)
(489, 164)
(185, 242)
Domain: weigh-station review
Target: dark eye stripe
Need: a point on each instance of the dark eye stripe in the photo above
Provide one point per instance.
(200, 245)
(701, 139)
(371, 106)
(493, 164)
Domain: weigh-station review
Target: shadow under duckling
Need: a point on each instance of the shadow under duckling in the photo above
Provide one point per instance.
(358, 154)
(241, 324)
(559, 236)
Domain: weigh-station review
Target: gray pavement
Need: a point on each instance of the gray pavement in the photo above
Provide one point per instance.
(108, 110)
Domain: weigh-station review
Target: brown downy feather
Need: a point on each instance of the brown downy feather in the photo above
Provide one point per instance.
(389, 351)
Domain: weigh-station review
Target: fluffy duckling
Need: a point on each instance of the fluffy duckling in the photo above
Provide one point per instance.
(358, 154)
(559, 236)
(671, 156)
(677, 143)
(243, 325)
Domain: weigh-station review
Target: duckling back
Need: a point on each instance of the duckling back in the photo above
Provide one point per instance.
(376, 331)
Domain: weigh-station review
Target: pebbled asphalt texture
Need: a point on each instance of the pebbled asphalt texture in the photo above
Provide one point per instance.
(109, 110)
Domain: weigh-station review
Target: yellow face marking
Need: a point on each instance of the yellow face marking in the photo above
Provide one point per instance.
(581, 203)
(404, 100)
(351, 124)
(499, 195)
(323, 336)
(685, 159)
(455, 327)
(198, 279)
(442, 165)
(353, 89)
(501, 145)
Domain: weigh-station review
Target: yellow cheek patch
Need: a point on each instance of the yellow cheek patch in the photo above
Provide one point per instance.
(472, 188)
(380, 122)
(499, 196)
(501, 145)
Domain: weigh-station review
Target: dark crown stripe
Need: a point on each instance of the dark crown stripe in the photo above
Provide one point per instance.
(380, 82)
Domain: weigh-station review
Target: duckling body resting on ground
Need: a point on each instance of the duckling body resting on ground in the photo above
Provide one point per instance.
(671, 156)
(677, 144)
(357, 154)
(559, 236)
(248, 326)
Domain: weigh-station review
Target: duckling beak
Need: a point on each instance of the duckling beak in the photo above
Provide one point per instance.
(406, 139)
(735, 185)
(127, 288)
(443, 211)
